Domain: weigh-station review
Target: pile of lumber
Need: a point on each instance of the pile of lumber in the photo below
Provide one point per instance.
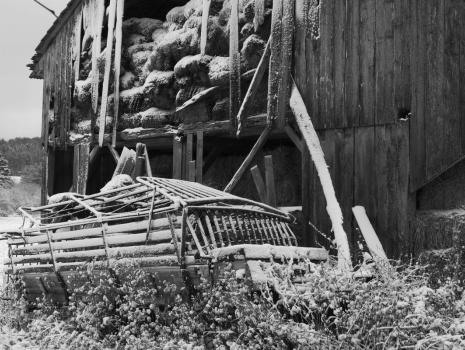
(162, 65)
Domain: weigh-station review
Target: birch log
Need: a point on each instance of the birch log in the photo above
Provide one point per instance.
(204, 32)
(332, 205)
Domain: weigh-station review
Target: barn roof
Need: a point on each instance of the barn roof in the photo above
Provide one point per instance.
(50, 35)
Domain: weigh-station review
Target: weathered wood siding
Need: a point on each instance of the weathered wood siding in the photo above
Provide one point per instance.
(362, 64)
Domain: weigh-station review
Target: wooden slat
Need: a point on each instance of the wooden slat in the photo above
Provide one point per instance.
(248, 160)
(148, 167)
(367, 62)
(118, 50)
(259, 183)
(140, 160)
(108, 66)
(191, 171)
(334, 211)
(113, 153)
(326, 82)
(270, 182)
(234, 64)
(274, 75)
(177, 158)
(199, 157)
(294, 137)
(204, 31)
(253, 87)
(340, 22)
(81, 167)
(352, 67)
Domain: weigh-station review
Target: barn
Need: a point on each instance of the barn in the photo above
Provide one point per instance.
(201, 90)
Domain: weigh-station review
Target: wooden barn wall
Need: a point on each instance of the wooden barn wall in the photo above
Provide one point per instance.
(362, 64)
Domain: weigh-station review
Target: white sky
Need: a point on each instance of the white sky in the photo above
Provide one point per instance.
(22, 24)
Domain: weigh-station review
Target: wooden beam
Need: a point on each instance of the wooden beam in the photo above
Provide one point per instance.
(274, 76)
(287, 48)
(118, 50)
(106, 76)
(259, 183)
(140, 159)
(126, 163)
(248, 160)
(294, 137)
(199, 157)
(191, 171)
(204, 31)
(189, 156)
(270, 182)
(148, 167)
(313, 144)
(177, 158)
(253, 87)
(309, 235)
(373, 243)
(81, 168)
(234, 64)
(97, 24)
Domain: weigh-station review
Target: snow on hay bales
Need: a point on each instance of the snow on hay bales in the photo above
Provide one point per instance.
(118, 181)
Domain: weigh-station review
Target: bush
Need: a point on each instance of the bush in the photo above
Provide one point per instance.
(326, 309)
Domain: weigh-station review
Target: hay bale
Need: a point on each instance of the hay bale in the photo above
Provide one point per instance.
(160, 88)
(150, 118)
(131, 101)
(218, 70)
(192, 70)
(176, 15)
(134, 39)
(220, 110)
(252, 51)
(137, 63)
(128, 80)
(83, 127)
(186, 93)
(158, 35)
(141, 26)
(174, 46)
(82, 94)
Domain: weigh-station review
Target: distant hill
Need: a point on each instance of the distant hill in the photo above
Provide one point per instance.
(24, 157)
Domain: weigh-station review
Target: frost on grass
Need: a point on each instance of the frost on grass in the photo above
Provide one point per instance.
(306, 306)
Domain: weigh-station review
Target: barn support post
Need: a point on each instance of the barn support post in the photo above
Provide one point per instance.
(234, 64)
(81, 167)
(118, 49)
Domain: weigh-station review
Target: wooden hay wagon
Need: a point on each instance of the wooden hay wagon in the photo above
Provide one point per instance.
(181, 231)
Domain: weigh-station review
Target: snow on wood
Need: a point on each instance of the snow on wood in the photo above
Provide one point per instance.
(108, 66)
(234, 63)
(118, 50)
(373, 243)
(333, 208)
(126, 163)
(204, 32)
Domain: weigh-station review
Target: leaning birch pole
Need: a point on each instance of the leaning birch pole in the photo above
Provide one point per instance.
(332, 205)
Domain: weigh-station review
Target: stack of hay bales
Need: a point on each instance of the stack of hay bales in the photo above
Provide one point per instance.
(162, 66)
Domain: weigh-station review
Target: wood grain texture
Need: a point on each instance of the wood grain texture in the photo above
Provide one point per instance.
(259, 183)
(234, 64)
(199, 157)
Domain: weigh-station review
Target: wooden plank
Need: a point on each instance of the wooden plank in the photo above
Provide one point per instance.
(334, 210)
(364, 169)
(81, 167)
(270, 182)
(340, 23)
(248, 160)
(177, 158)
(309, 238)
(461, 76)
(189, 154)
(274, 75)
(199, 157)
(383, 147)
(384, 58)
(418, 74)
(98, 14)
(51, 173)
(126, 163)
(326, 82)
(140, 160)
(108, 66)
(287, 41)
(374, 245)
(118, 51)
(253, 87)
(434, 127)
(352, 74)
(259, 183)
(204, 31)
(451, 84)
(234, 64)
(191, 171)
(367, 62)
(148, 167)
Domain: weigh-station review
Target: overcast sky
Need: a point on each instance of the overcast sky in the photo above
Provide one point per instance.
(22, 24)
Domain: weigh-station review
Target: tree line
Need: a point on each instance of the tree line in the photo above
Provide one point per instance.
(23, 157)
